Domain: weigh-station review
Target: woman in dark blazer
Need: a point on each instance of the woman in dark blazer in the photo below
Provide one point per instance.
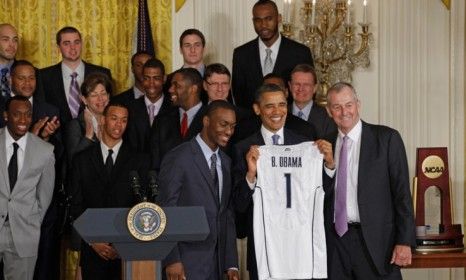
(83, 131)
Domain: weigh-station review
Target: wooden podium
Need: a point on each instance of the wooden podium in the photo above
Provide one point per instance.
(142, 258)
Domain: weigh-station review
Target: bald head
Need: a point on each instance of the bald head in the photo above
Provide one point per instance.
(8, 43)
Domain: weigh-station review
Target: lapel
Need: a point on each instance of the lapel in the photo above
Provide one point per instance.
(98, 163)
(202, 165)
(256, 59)
(120, 162)
(5, 187)
(226, 180)
(141, 110)
(280, 56)
(366, 154)
(259, 139)
(163, 110)
(60, 90)
(196, 125)
(29, 156)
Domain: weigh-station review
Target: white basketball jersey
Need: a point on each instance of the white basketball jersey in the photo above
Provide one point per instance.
(289, 233)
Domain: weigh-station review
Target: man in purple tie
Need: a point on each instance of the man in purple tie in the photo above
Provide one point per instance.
(61, 81)
(369, 211)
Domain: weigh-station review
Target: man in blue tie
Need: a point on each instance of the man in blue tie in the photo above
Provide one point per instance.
(8, 48)
(271, 106)
(303, 86)
(369, 211)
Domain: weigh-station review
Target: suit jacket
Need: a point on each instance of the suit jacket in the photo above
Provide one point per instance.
(243, 194)
(166, 134)
(185, 180)
(322, 122)
(247, 70)
(126, 97)
(27, 204)
(384, 197)
(52, 82)
(139, 127)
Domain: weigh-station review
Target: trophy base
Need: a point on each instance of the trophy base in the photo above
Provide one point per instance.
(450, 240)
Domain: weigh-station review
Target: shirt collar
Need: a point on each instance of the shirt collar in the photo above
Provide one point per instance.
(206, 150)
(306, 110)
(67, 71)
(137, 93)
(274, 47)
(157, 103)
(267, 135)
(355, 132)
(104, 148)
(21, 141)
(7, 65)
(191, 112)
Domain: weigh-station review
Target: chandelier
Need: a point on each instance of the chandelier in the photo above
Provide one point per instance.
(328, 30)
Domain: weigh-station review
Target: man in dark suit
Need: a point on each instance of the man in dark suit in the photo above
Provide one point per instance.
(197, 173)
(248, 126)
(270, 104)
(182, 124)
(251, 62)
(137, 62)
(303, 85)
(61, 81)
(100, 178)
(143, 111)
(369, 212)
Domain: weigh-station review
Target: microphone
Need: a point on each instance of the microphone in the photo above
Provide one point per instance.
(136, 185)
(153, 184)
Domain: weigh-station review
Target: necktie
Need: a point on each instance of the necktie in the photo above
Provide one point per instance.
(151, 113)
(13, 166)
(341, 222)
(275, 138)
(5, 87)
(109, 161)
(301, 115)
(184, 125)
(213, 172)
(73, 98)
(268, 63)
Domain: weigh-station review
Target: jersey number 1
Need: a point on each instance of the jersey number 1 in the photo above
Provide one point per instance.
(288, 189)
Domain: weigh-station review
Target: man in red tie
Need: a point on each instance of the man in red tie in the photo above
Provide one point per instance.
(179, 125)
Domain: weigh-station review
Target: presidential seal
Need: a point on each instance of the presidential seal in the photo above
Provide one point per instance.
(146, 221)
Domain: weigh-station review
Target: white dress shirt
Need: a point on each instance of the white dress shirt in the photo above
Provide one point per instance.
(306, 110)
(191, 113)
(104, 148)
(66, 76)
(354, 148)
(274, 47)
(9, 148)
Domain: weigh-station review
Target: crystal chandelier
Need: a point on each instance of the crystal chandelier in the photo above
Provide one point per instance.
(328, 30)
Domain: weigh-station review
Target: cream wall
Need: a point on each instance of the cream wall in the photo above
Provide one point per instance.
(415, 82)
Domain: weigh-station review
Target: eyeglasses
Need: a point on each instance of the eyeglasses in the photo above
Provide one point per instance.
(217, 84)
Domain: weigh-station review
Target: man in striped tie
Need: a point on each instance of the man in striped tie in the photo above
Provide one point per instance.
(61, 81)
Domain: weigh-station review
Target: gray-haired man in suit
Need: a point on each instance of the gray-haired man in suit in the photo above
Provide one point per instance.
(26, 186)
